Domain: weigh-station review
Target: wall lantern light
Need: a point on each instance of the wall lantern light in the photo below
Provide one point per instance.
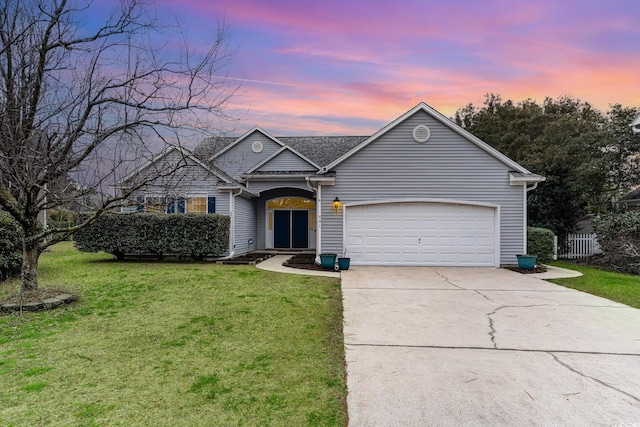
(336, 204)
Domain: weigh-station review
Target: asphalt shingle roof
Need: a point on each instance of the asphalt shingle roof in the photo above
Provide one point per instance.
(321, 150)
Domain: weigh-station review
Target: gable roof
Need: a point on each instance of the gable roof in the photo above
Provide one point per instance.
(245, 136)
(319, 150)
(185, 153)
(445, 121)
(278, 153)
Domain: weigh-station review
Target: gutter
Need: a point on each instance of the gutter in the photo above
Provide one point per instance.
(232, 226)
(533, 187)
(319, 181)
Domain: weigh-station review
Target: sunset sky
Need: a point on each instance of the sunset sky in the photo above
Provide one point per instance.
(349, 67)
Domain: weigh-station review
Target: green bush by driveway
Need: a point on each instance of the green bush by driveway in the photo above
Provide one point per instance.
(174, 344)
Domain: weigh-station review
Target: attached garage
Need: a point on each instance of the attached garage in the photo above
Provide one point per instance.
(425, 233)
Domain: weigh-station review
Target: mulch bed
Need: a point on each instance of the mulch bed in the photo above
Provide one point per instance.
(537, 269)
(41, 299)
(304, 262)
(247, 259)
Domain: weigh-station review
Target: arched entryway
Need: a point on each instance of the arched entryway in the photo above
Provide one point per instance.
(290, 222)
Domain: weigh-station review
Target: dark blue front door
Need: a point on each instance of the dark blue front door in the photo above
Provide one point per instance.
(281, 229)
(299, 229)
(290, 229)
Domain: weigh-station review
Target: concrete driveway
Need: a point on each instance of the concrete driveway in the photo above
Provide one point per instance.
(484, 346)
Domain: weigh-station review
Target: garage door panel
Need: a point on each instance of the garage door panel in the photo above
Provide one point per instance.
(421, 233)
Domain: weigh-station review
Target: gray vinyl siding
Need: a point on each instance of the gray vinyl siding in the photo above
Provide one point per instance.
(241, 158)
(189, 180)
(260, 186)
(245, 217)
(447, 166)
(286, 161)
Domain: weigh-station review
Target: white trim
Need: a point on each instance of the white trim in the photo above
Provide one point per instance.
(421, 139)
(245, 136)
(269, 235)
(318, 223)
(521, 179)
(257, 147)
(496, 219)
(324, 180)
(249, 193)
(232, 224)
(442, 119)
(524, 219)
(425, 200)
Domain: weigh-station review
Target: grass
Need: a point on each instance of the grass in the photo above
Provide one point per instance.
(174, 344)
(619, 287)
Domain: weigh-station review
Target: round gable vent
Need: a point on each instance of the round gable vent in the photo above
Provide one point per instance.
(421, 134)
(257, 147)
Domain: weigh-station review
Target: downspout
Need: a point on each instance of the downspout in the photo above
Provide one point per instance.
(318, 191)
(527, 188)
(232, 225)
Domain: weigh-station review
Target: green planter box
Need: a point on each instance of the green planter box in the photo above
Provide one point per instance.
(343, 263)
(328, 261)
(527, 262)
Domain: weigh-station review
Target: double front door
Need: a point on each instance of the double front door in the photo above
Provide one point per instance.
(291, 229)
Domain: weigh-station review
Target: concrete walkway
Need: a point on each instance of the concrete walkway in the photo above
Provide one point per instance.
(485, 346)
(556, 273)
(275, 264)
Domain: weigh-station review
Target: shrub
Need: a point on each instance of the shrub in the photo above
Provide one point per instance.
(193, 235)
(540, 242)
(10, 246)
(619, 238)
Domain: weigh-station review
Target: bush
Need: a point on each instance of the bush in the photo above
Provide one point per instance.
(619, 238)
(10, 247)
(540, 242)
(193, 235)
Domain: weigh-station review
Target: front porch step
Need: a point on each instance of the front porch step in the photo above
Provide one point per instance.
(285, 251)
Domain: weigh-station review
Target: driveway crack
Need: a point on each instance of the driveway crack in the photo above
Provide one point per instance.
(483, 295)
(582, 374)
(492, 329)
(446, 279)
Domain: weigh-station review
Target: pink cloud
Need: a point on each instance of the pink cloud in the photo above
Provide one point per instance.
(315, 63)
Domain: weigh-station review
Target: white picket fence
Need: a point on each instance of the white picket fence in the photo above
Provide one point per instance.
(580, 246)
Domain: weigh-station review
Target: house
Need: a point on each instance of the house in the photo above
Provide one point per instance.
(420, 191)
(630, 201)
(635, 125)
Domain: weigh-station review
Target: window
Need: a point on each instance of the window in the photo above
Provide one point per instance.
(197, 205)
(155, 204)
(172, 205)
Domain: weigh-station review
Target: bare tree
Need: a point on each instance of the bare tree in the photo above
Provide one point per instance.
(88, 105)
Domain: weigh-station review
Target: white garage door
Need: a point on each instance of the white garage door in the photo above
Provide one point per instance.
(421, 233)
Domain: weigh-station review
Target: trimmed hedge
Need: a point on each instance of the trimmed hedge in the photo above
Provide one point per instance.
(540, 242)
(193, 235)
(10, 247)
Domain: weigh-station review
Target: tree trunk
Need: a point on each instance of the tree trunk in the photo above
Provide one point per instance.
(30, 255)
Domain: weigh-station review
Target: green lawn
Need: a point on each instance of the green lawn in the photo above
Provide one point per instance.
(624, 288)
(174, 344)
